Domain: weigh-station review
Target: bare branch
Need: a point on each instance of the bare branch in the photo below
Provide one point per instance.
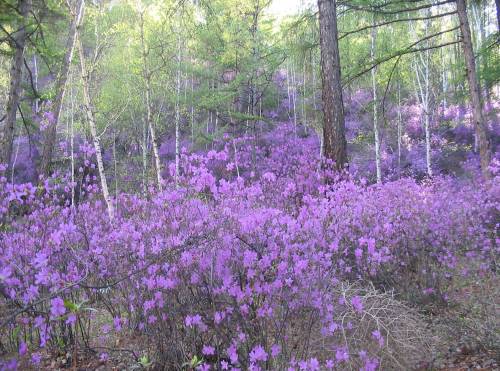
(408, 50)
(347, 33)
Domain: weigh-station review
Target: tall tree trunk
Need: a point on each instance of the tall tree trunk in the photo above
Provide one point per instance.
(288, 92)
(423, 93)
(375, 102)
(50, 134)
(313, 67)
(145, 180)
(333, 109)
(72, 140)
(304, 113)
(294, 98)
(444, 79)
(192, 110)
(482, 19)
(35, 78)
(427, 105)
(475, 93)
(497, 3)
(178, 112)
(16, 75)
(400, 128)
(152, 133)
(149, 110)
(478, 38)
(93, 131)
(115, 165)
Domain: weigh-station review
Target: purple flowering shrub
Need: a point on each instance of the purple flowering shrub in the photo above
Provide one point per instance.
(248, 263)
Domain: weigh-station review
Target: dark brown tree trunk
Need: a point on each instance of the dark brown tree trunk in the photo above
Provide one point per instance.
(50, 134)
(333, 108)
(16, 75)
(475, 92)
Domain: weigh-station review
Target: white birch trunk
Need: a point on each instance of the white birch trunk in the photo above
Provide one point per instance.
(35, 72)
(423, 93)
(288, 92)
(304, 114)
(149, 118)
(192, 109)
(178, 114)
(72, 139)
(400, 129)
(427, 105)
(444, 80)
(294, 98)
(375, 113)
(93, 131)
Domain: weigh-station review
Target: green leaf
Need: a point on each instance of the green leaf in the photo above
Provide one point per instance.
(69, 305)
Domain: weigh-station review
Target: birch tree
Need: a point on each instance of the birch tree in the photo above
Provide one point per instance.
(422, 68)
(93, 130)
(147, 75)
(177, 106)
(50, 134)
(375, 103)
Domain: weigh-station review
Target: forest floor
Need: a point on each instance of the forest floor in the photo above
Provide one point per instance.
(123, 349)
(458, 358)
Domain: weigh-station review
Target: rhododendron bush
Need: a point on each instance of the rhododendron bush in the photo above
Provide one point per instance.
(252, 262)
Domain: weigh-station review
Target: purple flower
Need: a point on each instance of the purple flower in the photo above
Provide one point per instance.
(208, 350)
(117, 323)
(275, 350)
(10, 365)
(233, 354)
(357, 303)
(57, 308)
(358, 253)
(341, 354)
(71, 319)
(258, 354)
(378, 336)
(23, 348)
(314, 364)
(36, 358)
(371, 365)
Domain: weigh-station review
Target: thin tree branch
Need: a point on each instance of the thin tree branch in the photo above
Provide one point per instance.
(378, 10)
(408, 50)
(347, 33)
(35, 91)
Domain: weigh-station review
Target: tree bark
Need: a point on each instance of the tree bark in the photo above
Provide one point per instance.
(375, 102)
(423, 94)
(72, 141)
(149, 114)
(50, 134)
(333, 108)
(400, 128)
(93, 131)
(16, 75)
(497, 3)
(304, 113)
(35, 73)
(177, 111)
(444, 79)
(475, 93)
